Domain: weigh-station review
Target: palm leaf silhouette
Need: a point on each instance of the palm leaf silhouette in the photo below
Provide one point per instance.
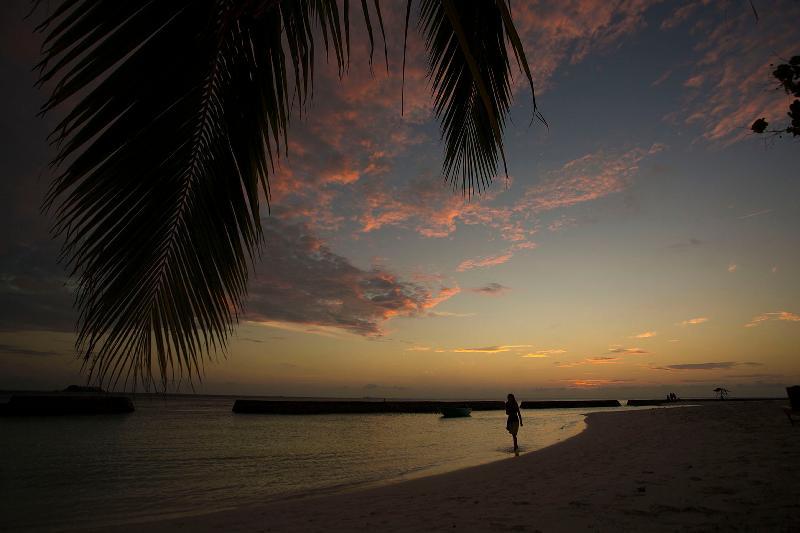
(469, 67)
(182, 112)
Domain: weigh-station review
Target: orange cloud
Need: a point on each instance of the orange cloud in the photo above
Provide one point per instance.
(592, 383)
(602, 360)
(626, 351)
(487, 261)
(423, 205)
(494, 260)
(540, 354)
(721, 365)
(783, 316)
(597, 360)
(445, 293)
(694, 321)
(645, 335)
(492, 349)
(303, 283)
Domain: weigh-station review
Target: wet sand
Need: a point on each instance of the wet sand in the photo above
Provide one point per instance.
(720, 466)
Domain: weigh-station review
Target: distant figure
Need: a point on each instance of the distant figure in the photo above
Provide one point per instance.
(514, 419)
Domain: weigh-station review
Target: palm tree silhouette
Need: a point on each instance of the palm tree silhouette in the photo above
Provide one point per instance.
(721, 393)
(181, 115)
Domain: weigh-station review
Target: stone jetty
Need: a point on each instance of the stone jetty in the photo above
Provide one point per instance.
(320, 407)
(569, 404)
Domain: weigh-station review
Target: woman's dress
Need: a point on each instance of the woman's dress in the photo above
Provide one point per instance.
(512, 424)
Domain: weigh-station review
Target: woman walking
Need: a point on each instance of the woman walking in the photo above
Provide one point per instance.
(514, 419)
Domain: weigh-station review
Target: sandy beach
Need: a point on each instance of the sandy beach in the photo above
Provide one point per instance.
(721, 466)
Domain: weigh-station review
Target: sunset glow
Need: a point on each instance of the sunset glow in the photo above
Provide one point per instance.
(645, 242)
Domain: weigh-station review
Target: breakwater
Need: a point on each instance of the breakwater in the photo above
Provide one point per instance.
(641, 403)
(567, 404)
(312, 407)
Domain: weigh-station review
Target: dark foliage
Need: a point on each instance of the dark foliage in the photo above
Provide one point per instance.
(788, 76)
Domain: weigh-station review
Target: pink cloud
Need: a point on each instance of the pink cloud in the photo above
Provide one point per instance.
(734, 53)
(661, 79)
(423, 205)
(481, 262)
(350, 141)
(555, 33)
(435, 212)
(695, 82)
(680, 15)
(343, 154)
(587, 178)
(561, 223)
(444, 294)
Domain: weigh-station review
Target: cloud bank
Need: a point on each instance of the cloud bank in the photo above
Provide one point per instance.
(301, 281)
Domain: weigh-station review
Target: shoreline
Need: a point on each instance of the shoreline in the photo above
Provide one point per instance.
(721, 465)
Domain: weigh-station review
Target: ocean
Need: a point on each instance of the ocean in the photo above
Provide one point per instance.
(179, 456)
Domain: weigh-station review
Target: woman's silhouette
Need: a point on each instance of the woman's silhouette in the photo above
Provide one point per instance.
(514, 418)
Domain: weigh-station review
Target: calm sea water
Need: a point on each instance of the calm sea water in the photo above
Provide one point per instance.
(178, 456)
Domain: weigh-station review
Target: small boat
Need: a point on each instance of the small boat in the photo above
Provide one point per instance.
(453, 412)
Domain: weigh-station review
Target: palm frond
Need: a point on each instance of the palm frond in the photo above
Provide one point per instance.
(183, 111)
(468, 65)
(181, 115)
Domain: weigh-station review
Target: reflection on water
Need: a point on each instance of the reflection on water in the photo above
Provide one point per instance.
(176, 456)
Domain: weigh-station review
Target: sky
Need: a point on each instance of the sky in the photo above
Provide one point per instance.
(645, 242)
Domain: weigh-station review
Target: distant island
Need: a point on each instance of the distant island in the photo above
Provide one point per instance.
(74, 400)
(82, 388)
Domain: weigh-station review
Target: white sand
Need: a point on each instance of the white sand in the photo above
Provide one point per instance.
(722, 466)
